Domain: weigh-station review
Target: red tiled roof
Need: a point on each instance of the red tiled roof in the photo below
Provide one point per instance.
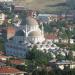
(17, 62)
(51, 36)
(9, 70)
(2, 56)
(11, 30)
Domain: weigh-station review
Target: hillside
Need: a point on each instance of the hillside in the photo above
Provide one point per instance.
(43, 5)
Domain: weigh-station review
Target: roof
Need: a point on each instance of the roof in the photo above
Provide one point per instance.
(3, 61)
(31, 21)
(9, 70)
(11, 30)
(51, 36)
(65, 62)
(19, 33)
(35, 33)
(2, 56)
(17, 62)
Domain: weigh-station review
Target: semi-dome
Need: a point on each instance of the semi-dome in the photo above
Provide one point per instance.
(19, 33)
(31, 21)
(35, 33)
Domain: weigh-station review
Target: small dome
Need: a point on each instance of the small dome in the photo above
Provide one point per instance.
(31, 21)
(19, 33)
(35, 33)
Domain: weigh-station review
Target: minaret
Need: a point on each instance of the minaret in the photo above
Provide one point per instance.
(25, 37)
(42, 30)
(26, 31)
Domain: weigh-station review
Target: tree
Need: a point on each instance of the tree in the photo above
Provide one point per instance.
(71, 3)
(38, 56)
(31, 53)
(2, 45)
(70, 55)
(60, 57)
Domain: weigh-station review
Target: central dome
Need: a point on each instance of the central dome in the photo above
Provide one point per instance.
(31, 21)
(35, 33)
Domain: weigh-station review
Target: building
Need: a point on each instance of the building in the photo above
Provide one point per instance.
(26, 37)
(10, 71)
(2, 64)
(7, 32)
(10, 31)
(64, 64)
(6, 0)
(47, 18)
(16, 62)
(66, 41)
(52, 37)
(2, 18)
(3, 57)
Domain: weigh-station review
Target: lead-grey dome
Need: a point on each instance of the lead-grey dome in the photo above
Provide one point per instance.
(31, 21)
(35, 33)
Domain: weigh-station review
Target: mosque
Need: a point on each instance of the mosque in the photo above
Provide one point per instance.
(26, 37)
(30, 32)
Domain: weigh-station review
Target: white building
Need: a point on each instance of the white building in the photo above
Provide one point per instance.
(63, 64)
(2, 18)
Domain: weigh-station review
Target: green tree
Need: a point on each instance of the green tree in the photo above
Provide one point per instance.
(70, 55)
(60, 56)
(2, 48)
(38, 56)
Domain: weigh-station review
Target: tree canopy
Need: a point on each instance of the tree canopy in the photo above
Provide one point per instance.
(38, 56)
